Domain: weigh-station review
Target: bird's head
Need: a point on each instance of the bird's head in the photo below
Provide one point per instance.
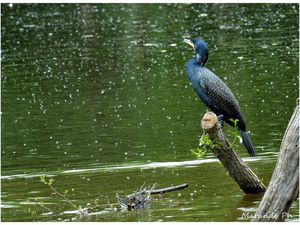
(201, 49)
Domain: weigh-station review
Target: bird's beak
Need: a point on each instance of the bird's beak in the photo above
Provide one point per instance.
(189, 42)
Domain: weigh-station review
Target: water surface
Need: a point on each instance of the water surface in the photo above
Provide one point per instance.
(96, 96)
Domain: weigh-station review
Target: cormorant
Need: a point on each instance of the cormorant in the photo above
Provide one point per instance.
(214, 92)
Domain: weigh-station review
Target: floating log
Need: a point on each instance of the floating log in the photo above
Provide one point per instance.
(238, 170)
(283, 188)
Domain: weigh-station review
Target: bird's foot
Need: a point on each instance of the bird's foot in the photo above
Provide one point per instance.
(221, 119)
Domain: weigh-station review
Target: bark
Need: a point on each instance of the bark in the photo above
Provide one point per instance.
(237, 169)
(283, 188)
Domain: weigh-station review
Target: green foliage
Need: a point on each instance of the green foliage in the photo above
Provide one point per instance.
(235, 134)
(66, 192)
(43, 179)
(49, 182)
(205, 144)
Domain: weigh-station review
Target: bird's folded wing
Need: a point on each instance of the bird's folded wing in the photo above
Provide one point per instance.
(222, 98)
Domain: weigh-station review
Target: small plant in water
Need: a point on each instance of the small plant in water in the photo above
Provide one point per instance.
(79, 210)
(55, 191)
(42, 204)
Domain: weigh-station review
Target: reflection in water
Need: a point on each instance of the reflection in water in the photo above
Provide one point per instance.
(96, 95)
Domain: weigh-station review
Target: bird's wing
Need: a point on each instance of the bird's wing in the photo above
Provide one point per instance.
(222, 99)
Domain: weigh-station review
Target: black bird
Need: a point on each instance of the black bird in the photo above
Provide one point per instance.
(214, 92)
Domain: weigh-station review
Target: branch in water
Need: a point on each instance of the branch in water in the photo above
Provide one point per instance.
(169, 189)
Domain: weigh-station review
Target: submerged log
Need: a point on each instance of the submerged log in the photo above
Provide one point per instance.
(238, 170)
(283, 188)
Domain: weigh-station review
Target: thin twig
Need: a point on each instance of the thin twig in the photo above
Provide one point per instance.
(57, 192)
(45, 207)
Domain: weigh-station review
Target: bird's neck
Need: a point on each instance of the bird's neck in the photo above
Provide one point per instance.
(197, 62)
(201, 59)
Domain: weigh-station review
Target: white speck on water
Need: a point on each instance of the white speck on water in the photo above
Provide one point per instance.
(128, 178)
(150, 45)
(163, 50)
(10, 5)
(173, 45)
(240, 57)
(102, 92)
(203, 15)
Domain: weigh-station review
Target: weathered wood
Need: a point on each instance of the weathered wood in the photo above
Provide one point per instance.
(283, 188)
(238, 170)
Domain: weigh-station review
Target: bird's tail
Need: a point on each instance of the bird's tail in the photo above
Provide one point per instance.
(247, 142)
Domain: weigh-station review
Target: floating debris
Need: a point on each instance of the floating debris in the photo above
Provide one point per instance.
(141, 198)
(137, 200)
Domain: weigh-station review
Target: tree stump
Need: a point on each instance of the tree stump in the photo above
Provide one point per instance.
(283, 188)
(238, 170)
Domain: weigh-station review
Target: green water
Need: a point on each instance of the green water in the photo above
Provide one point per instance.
(96, 96)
